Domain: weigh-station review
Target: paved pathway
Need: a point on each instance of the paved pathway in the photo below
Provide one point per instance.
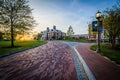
(78, 66)
(53, 61)
(102, 68)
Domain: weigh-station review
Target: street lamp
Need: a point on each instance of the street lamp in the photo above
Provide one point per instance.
(98, 16)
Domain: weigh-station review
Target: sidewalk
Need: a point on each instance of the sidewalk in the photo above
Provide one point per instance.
(102, 69)
(52, 61)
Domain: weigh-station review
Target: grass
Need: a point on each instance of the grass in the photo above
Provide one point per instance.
(83, 40)
(73, 40)
(112, 54)
(5, 49)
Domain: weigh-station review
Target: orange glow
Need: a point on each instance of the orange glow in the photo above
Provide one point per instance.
(24, 37)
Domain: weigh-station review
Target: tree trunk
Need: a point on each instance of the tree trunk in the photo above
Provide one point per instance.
(11, 21)
(113, 42)
(119, 40)
(110, 39)
(12, 37)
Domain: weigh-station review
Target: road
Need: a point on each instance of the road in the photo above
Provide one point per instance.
(52, 61)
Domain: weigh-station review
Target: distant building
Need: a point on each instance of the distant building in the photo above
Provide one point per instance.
(93, 36)
(50, 34)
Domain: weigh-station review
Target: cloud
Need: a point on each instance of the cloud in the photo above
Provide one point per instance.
(63, 13)
(52, 14)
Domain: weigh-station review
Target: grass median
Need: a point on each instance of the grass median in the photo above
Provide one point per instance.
(6, 49)
(107, 51)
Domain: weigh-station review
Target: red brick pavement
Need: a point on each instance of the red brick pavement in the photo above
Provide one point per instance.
(103, 69)
(52, 61)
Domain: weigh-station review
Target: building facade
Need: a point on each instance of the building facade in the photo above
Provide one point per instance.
(52, 34)
(93, 36)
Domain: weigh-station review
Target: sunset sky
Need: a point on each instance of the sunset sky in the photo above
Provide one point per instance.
(63, 13)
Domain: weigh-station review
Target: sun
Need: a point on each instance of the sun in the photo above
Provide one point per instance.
(22, 38)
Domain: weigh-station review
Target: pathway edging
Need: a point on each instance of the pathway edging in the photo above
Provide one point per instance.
(79, 67)
(85, 66)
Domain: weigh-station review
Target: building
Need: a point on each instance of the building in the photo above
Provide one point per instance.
(52, 34)
(93, 36)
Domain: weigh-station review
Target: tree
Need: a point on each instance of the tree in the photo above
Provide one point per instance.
(16, 14)
(0, 36)
(111, 22)
(70, 31)
(39, 36)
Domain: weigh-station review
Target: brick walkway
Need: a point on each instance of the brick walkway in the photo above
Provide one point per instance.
(103, 69)
(52, 61)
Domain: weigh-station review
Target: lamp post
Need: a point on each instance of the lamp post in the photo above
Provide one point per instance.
(98, 16)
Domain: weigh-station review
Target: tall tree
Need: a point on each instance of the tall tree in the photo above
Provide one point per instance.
(0, 36)
(112, 22)
(70, 31)
(16, 14)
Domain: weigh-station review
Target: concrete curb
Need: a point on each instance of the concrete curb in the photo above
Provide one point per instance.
(85, 66)
(79, 67)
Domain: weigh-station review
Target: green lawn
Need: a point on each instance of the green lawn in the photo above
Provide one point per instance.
(112, 54)
(21, 46)
(73, 40)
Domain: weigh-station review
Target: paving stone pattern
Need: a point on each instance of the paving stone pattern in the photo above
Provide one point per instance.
(79, 69)
(52, 61)
(102, 68)
(78, 66)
